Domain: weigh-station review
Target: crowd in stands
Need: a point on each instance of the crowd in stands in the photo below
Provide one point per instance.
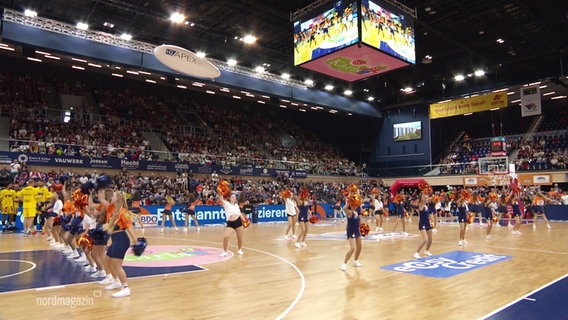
(543, 152)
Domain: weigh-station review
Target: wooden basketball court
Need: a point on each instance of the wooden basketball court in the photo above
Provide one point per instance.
(275, 280)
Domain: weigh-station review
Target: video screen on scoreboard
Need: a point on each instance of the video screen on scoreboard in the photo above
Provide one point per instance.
(388, 29)
(326, 31)
(407, 131)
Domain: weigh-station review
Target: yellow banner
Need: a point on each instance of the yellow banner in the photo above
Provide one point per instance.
(467, 105)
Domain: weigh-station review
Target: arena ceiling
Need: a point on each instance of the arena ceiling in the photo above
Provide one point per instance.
(460, 36)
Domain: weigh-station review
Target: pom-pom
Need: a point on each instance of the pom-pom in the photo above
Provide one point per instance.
(365, 212)
(103, 181)
(80, 199)
(285, 194)
(246, 221)
(304, 193)
(87, 187)
(57, 187)
(57, 221)
(314, 218)
(224, 189)
(495, 218)
(354, 201)
(353, 188)
(140, 246)
(435, 198)
(470, 217)
(493, 196)
(399, 198)
(375, 191)
(465, 195)
(425, 188)
(364, 228)
(85, 242)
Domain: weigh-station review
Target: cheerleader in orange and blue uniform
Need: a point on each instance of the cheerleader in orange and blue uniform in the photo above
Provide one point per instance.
(462, 218)
(303, 218)
(424, 226)
(119, 224)
(352, 209)
(517, 214)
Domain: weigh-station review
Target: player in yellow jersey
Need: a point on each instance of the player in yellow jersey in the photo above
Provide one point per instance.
(27, 196)
(8, 204)
(43, 196)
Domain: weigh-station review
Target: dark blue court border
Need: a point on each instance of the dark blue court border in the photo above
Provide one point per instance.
(54, 269)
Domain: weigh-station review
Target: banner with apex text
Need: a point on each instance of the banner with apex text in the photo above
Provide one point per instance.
(468, 105)
(530, 101)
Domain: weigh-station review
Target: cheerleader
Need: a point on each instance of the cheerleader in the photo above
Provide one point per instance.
(462, 219)
(490, 211)
(400, 213)
(353, 211)
(517, 214)
(303, 221)
(502, 209)
(378, 212)
(167, 212)
(538, 203)
(53, 212)
(190, 211)
(337, 211)
(135, 208)
(100, 238)
(291, 211)
(119, 224)
(424, 226)
(234, 223)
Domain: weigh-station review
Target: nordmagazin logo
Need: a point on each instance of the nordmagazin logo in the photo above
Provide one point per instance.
(448, 264)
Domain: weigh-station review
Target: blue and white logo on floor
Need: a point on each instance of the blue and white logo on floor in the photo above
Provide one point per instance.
(448, 264)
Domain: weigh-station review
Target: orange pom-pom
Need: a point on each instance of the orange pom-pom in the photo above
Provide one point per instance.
(493, 196)
(495, 218)
(304, 193)
(375, 191)
(353, 188)
(354, 201)
(246, 221)
(80, 199)
(470, 217)
(314, 218)
(399, 198)
(57, 187)
(364, 228)
(285, 194)
(365, 213)
(224, 188)
(435, 198)
(85, 242)
(465, 194)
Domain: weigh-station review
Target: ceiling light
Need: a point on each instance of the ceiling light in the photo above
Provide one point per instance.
(371, 99)
(192, 24)
(549, 93)
(108, 25)
(186, 22)
(232, 62)
(407, 90)
(479, 73)
(329, 87)
(285, 76)
(200, 54)
(30, 13)
(177, 17)
(309, 82)
(500, 40)
(459, 77)
(126, 36)
(249, 39)
(347, 92)
(259, 69)
(82, 26)
(558, 97)
(33, 59)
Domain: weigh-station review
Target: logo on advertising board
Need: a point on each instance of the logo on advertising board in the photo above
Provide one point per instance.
(129, 164)
(265, 173)
(470, 181)
(204, 169)
(246, 171)
(99, 163)
(541, 179)
(226, 170)
(448, 264)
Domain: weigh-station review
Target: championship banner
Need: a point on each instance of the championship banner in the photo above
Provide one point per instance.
(530, 101)
(468, 105)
